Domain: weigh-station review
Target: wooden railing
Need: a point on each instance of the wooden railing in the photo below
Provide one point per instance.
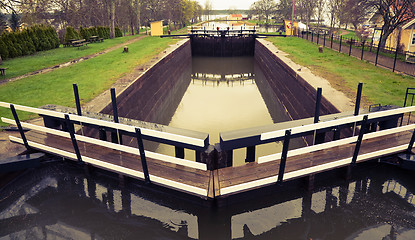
(285, 134)
(71, 119)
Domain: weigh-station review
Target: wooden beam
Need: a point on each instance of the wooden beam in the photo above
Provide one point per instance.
(127, 149)
(116, 168)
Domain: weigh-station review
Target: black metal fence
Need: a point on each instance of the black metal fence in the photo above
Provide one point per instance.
(391, 58)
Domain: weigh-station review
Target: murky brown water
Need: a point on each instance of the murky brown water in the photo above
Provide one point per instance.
(223, 96)
(60, 201)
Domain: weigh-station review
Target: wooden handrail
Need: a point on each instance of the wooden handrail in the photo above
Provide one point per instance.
(336, 122)
(119, 126)
(123, 148)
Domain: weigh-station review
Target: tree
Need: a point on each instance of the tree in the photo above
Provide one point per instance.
(207, 9)
(320, 7)
(307, 10)
(3, 22)
(394, 14)
(14, 22)
(285, 8)
(264, 8)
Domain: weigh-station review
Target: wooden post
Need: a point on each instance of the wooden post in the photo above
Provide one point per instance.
(350, 49)
(358, 98)
(179, 152)
(19, 126)
(411, 143)
(115, 136)
(142, 155)
(340, 48)
(359, 140)
(77, 102)
(71, 131)
(284, 155)
(250, 154)
(229, 158)
(331, 44)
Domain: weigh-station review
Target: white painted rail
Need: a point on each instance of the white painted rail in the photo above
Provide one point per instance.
(336, 122)
(123, 148)
(116, 168)
(336, 143)
(119, 126)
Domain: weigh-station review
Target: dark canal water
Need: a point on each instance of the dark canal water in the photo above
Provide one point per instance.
(60, 201)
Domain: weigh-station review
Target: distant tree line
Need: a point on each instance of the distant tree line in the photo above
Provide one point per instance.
(339, 12)
(28, 41)
(127, 15)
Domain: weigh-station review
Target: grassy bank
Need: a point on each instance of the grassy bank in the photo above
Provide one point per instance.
(344, 72)
(93, 76)
(22, 65)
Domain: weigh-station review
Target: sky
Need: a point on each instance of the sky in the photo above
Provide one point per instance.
(227, 4)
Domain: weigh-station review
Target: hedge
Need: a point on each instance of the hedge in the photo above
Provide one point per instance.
(28, 41)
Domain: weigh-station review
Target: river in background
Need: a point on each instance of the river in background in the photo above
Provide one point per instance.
(60, 201)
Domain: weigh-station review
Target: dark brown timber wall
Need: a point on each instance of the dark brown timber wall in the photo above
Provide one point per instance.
(297, 96)
(154, 96)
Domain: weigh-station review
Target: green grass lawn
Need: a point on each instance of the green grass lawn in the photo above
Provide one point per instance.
(22, 65)
(344, 72)
(93, 76)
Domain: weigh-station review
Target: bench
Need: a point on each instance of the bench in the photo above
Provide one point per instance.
(3, 71)
(79, 43)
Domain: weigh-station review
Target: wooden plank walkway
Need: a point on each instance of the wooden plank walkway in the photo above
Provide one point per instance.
(253, 175)
(196, 178)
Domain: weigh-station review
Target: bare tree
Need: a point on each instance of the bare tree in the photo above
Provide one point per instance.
(394, 14)
(320, 8)
(264, 8)
(207, 9)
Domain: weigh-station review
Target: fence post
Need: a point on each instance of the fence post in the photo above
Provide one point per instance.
(71, 131)
(396, 55)
(312, 36)
(363, 49)
(377, 52)
(359, 140)
(331, 45)
(340, 48)
(350, 49)
(142, 155)
(318, 137)
(324, 42)
(78, 103)
(115, 137)
(358, 98)
(411, 143)
(250, 154)
(284, 155)
(19, 126)
(179, 152)
(318, 37)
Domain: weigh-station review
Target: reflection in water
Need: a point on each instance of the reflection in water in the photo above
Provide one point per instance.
(60, 202)
(222, 96)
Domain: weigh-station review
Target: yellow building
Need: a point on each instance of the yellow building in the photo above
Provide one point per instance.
(235, 17)
(157, 28)
(287, 24)
(404, 34)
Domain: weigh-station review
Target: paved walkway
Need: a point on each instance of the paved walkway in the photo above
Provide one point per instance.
(383, 61)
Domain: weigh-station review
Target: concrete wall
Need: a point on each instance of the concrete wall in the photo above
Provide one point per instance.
(297, 96)
(154, 96)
